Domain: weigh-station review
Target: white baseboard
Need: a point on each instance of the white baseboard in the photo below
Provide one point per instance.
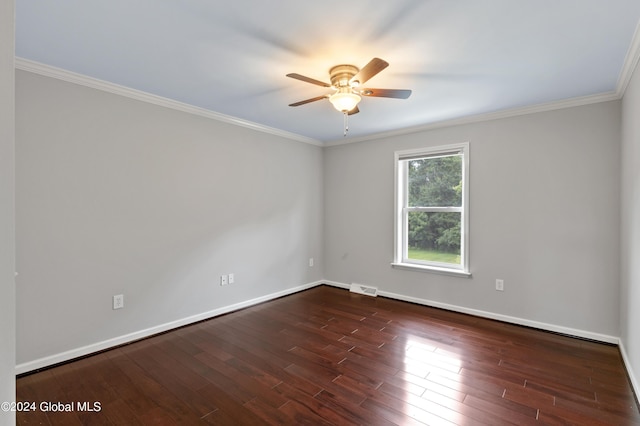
(337, 284)
(627, 363)
(120, 340)
(491, 315)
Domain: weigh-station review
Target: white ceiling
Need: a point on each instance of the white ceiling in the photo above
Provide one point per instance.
(461, 58)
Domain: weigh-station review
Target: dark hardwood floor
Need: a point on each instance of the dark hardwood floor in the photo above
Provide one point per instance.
(326, 356)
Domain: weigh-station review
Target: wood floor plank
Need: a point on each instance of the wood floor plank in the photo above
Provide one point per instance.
(38, 389)
(326, 356)
(352, 413)
(160, 401)
(119, 413)
(416, 408)
(229, 410)
(496, 407)
(230, 378)
(389, 414)
(599, 411)
(268, 413)
(306, 409)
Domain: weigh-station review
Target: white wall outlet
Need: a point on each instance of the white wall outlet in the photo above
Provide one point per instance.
(231, 279)
(499, 285)
(118, 301)
(224, 279)
(310, 261)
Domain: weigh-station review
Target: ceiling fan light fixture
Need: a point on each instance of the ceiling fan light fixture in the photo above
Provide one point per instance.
(346, 80)
(344, 100)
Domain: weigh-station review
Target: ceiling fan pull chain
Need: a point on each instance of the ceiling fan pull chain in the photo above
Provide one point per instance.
(346, 123)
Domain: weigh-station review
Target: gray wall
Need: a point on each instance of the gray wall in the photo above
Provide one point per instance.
(120, 196)
(630, 230)
(544, 216)
(7, 223)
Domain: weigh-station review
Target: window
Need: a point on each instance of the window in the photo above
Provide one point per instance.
(431, 229)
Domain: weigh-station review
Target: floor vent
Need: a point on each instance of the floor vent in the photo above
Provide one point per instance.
(363, 289)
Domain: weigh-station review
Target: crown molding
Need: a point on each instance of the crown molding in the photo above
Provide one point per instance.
(630, 63)
(94, 83)
(512, 112)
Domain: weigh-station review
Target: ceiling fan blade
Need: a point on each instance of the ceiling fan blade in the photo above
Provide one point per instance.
(372, 68)
(306, 101)
(354, 111)
(308, 80)
(386, 93)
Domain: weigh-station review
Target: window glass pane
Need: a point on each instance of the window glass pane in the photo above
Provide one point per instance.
(435, 182)
(434, 237)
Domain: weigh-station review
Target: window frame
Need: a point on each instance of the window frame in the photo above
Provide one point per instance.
(402, 209)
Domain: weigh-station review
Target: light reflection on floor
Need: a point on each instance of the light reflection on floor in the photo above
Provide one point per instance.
(435, 394)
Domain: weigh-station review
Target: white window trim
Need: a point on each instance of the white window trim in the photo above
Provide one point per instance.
(400, 261)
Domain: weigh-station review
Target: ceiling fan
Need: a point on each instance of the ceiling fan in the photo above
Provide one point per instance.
(346, 81)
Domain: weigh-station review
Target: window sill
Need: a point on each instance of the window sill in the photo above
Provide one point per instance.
(433, 269)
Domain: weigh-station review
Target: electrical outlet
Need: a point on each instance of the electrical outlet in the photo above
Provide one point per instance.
(231, 279)
(118, 301)
(499, 285)
(224, 279)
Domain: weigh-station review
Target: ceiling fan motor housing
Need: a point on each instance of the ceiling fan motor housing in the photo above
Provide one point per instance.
(341, 75)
